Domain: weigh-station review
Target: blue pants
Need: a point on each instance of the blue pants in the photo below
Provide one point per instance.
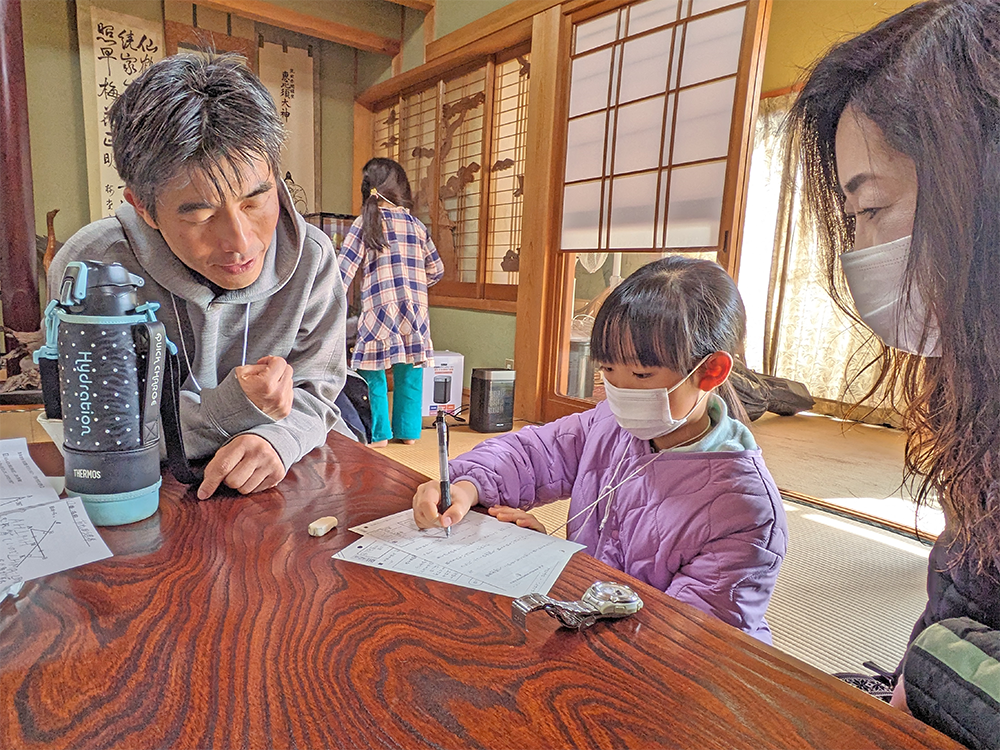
(407, 392)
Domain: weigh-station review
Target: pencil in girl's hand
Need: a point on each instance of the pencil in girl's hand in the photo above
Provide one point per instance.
(442, 436)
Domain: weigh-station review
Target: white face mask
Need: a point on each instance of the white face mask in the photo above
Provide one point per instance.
(645, 412)
(875, 276)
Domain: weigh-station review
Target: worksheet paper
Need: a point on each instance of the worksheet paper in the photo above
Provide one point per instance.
(481, 553)
(40, 533)
(378, 554)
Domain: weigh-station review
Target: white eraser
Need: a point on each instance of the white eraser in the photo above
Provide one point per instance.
(322, 525)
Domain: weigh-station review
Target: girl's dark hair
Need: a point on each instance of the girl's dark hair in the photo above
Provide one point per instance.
(672, 313)
(929, 78)
(388, 179)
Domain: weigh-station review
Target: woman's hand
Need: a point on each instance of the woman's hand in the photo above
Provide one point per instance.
(425, 504)
(899, 696)
(518, 516)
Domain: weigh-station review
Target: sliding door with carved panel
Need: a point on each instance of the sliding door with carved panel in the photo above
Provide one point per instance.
(461, 139)
(660, 99)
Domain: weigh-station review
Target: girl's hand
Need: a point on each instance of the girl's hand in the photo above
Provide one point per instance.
(515, 515)
(425, 504)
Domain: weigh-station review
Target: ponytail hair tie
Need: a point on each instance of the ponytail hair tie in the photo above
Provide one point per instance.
(374, 192)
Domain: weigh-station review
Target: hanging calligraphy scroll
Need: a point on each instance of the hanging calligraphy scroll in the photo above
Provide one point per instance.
(119, 48)
(288, 75)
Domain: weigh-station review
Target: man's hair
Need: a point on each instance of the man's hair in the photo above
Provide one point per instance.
(193, 112)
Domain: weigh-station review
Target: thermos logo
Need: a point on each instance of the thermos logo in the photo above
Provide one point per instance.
(87, 473)
(82, 368)
(156, 368)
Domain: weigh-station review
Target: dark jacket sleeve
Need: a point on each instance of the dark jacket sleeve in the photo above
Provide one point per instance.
(956, 588)
(952, 678)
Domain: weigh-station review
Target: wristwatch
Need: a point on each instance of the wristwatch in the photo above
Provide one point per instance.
(603, 600)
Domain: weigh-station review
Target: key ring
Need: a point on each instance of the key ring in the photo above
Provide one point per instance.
(603, 600)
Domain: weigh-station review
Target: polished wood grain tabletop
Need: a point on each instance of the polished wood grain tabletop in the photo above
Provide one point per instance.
(223, 624)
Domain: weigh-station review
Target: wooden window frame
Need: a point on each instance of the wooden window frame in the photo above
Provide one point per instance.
(543, 281)
(550, 404)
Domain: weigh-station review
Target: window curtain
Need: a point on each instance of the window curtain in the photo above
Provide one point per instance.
(795, 330)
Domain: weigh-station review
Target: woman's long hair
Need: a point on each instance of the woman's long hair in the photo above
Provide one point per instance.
(381, 178)
(673, 313)
(929, 77)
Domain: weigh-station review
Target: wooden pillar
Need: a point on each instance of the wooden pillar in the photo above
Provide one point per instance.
(364, 149)
(540, 230)
(18, 262)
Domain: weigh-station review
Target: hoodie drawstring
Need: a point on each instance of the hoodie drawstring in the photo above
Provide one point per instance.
(180, 331)
(246, 332)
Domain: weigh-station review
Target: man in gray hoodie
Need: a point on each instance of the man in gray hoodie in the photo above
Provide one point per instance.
(249, 291)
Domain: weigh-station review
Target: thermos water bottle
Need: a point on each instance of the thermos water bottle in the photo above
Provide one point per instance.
(112, 357)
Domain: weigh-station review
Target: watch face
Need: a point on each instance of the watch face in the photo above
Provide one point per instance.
(613, 599)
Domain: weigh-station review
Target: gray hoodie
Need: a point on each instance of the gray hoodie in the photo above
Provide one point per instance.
(296, 309)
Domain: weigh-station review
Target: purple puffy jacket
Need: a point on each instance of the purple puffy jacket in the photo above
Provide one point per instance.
(707, 528)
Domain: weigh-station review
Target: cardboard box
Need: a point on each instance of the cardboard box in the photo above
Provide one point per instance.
(443, 383)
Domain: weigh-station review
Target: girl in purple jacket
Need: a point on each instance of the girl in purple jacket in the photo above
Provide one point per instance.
(664, 484)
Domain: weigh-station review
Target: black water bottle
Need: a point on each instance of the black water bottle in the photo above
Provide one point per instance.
(112, 355)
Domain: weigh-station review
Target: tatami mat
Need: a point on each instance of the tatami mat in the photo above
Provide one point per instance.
(422, 455)
(847, 592)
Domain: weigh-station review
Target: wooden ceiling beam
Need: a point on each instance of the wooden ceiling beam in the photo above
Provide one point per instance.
(424, 6)
(257, 10)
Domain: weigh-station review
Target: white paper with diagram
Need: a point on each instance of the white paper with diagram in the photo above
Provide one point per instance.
(40, 533)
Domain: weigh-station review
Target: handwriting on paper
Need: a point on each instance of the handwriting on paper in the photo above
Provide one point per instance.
(482, 553)
(40, 533)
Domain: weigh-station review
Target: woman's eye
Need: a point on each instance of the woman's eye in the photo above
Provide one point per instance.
(868, 213)
(642, 375)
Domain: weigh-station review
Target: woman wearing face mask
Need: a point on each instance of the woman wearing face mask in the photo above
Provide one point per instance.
(899, 131)
(665, 484)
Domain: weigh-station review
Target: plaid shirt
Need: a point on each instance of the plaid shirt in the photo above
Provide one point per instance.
(393, 327)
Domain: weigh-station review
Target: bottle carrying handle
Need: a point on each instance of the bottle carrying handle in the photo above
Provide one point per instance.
(183, 470)
(155, 336)
(47, 359)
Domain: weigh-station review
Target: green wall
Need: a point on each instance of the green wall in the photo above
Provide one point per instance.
(451, 15)
(413, 39)
(485, 339)
(336, 89)
(802, 30)
(55, 115)
(376, 16)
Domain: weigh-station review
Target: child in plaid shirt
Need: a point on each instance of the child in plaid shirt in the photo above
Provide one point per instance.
(400, 262)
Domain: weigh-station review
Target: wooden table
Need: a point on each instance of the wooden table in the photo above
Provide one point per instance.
(223, 624)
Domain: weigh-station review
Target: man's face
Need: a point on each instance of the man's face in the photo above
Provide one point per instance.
(223, 241)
